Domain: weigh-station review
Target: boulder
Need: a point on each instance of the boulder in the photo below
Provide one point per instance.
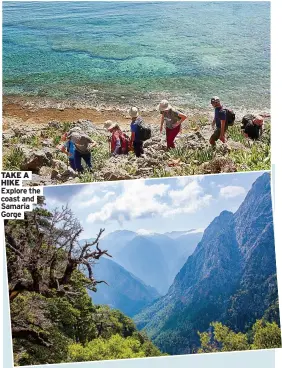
(116, 174)
(33, 159)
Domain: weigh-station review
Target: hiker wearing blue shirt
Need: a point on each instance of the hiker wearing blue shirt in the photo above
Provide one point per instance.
(69, 148)
(219, 122)
(135, 141)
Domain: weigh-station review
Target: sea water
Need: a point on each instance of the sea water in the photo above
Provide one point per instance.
(122, 53)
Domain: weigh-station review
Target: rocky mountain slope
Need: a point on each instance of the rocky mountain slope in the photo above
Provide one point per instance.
(230, 277)
(123, 290)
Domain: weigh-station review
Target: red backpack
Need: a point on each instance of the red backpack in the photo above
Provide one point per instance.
(124, 140)
(125, 143)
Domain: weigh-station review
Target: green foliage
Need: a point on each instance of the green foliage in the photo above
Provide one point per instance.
(263, 335)
(257, 158)
(50, 312)
(13, 159)
(234, 132)
(266, 335)
(116, 347)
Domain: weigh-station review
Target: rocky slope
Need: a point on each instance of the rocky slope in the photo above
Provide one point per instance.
(34, 147)
(230, 277)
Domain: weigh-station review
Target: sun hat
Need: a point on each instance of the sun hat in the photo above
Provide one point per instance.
(113, 125)
(107, 124)
(74, 129)
(75, 136)
(133, 112)
(215, 99)
(164, 106)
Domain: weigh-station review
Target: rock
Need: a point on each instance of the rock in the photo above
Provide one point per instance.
(48, 142)
(49, 152)
(38, 180)
(45, 171)
(7, 135)
(69, 173)
(219, 165)
(59, 165)
(87, 126)
(54, 124)
(235, 145)
(33, 159)
(193, 141)
(117, 174)
(144, 171)
(72, 181)
(54, 174)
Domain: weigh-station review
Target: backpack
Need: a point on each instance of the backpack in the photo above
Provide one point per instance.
(230, 116)
(144, 131)
(125, 143)
(246, 119)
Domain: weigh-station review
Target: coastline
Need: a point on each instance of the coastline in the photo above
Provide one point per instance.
(38, 110)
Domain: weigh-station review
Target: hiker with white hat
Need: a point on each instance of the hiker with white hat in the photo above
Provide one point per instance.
(83, 145)
(119, 143)
(135, 140)
(172, 119)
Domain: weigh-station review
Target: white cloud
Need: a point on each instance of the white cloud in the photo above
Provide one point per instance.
(232, 191)
(139, 200)
(182, 181)
(108, 195)
(188, 200)
(136, 200)
(90, 202)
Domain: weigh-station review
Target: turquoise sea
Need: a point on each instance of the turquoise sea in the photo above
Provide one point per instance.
(118, 53)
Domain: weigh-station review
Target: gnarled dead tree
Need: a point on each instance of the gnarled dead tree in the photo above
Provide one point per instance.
(44, 250)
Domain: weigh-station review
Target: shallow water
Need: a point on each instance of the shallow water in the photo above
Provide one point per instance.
(122, 53)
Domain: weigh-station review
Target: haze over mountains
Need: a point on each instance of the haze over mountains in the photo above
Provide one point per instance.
(153, 258)
(142, 267)
(230, 277)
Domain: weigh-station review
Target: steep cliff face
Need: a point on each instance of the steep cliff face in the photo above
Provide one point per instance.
(230, 277)
(257, 289)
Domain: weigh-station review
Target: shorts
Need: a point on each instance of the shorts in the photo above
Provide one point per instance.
(216, 134)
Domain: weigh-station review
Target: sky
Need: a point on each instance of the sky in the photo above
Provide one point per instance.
(152, 205)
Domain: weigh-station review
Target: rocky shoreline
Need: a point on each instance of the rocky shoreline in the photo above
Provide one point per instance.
(32, 145)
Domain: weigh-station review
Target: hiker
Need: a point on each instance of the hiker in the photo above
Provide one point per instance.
(223, 118)
(172, 119)
(83, 144)
(252, 126)
(68, 147)
(135, 141)
(119, 143)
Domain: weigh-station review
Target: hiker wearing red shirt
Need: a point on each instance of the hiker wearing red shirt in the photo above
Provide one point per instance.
(119, 140)
(172, 119)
